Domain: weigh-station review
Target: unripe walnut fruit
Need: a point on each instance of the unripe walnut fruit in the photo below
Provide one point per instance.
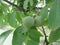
(28, 21)
(38, 21)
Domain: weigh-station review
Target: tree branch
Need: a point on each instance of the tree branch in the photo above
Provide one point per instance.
(46, 41)
(19, 8)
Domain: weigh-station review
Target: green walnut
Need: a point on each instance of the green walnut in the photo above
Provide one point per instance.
(28, 21)
(38, 21)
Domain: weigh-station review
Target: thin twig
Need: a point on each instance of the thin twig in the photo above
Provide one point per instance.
(19, 8)
(46, 41)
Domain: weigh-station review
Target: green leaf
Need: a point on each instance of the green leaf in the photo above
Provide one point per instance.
(11, 19)
(44, 13)
(46, 22)
(33, 37)
(54, 35)
(44, 16)
(3, 36)
(25, 5)
(50, 2)
(35, 2)
(4, 7)
(19, 16)
(34, 34)
(31, 2)
(54, 16)
(22, 36)
(19, 36)
(1, 20)
(31, 42)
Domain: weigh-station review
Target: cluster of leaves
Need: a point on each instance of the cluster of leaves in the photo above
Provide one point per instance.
(12, 14)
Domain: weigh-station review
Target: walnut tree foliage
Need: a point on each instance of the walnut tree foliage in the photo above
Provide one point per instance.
(26, 19)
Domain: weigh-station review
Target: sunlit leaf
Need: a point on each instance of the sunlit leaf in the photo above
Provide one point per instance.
(19, 16)
(3, 36)
(31, 2)
(25, 5)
